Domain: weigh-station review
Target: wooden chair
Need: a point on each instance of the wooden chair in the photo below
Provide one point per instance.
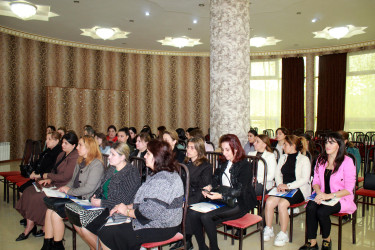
(105, 161)
(140, 163)
(249, 220)
(277, 155)
(179, 236)
(213, 158)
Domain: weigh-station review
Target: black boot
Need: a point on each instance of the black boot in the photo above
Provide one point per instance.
(47, 244)
(58, 245)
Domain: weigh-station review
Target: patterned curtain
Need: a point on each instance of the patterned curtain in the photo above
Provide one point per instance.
(163, 90)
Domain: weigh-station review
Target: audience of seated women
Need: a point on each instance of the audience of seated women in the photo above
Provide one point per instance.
(200, 171)
(263, 149)
(111, 134)
(280, 137)
(232, 184)
(31, 205)
(104, 146)
(123, 135)
(292, 172)
(119, 185)
(171, 138)
(249, 146)
(351, 149)
(85, 180)
(334, 178)
(157, 209)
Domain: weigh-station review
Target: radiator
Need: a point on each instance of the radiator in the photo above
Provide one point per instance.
(4, 151)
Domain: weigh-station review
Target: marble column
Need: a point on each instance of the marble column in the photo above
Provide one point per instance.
(229, 68)
(310, 95)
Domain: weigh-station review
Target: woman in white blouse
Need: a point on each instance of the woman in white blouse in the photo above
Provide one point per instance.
(263, 149)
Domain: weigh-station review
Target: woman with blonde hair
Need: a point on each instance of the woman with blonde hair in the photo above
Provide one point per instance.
(86, 179)
(119, 185)
(263, 149)
(292, 172)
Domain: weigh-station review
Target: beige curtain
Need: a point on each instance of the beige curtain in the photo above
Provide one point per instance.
(163, 90)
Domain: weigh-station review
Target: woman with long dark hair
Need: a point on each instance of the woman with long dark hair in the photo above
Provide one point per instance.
(334, 178)
(156, 213)
(232, 184)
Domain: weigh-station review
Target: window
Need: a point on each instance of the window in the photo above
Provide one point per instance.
(360, 92)
(265, 94)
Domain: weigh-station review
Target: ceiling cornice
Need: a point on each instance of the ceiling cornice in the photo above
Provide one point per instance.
(362, 45)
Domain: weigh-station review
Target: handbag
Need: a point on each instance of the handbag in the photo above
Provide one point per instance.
(369, 182)
(230, 201)
(92, 220)
(26, 169)
(57, 204)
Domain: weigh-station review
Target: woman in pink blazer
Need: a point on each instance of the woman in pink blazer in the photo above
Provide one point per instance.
(334, 178)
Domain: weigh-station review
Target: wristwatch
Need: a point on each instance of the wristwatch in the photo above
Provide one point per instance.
(334, 195)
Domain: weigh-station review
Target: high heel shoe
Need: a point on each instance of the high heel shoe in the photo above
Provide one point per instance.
(25, 236)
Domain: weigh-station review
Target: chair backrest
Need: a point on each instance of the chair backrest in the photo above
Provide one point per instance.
(254, 160)
(276, 153)
(213, 158)
(37, 149)
(370, 161)
(27, 152)
(319, 145)
(269, 132)
(184, 171)
(105, 160)
(308, 154)
(362, 148)
(310, 133)
(353, 158)
(356, 134)
(213, 146)
(140, 163)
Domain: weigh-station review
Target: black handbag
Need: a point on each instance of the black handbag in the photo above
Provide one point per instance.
(230, 201)
(27, 169)
(57, 205)
(369, 182)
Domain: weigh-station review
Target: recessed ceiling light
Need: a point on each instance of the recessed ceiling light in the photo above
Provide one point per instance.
(195, 21)
(147, 13)
(179, 42)
(314, 20)
(104, 33)
(339, 32)
(23, 9)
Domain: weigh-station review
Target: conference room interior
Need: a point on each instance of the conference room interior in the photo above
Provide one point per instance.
(51, 74)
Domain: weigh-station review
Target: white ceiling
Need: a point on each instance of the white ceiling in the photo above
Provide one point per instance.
(276, 18)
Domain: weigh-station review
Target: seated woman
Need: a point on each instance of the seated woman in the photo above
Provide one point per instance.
(86, 179)
(233, 177)
(111, 134)
(46, 160)
(351, 149)
(123, 135)
(61, 131)
(249, 146)
(31, 205)
(104, 147)
(335, 177)
(292, 172)
(133, 134)
(200, 171)
(171, 138)
(280, 137)
(141, 145)
(119, 185)
(263, 149)
(157, 209)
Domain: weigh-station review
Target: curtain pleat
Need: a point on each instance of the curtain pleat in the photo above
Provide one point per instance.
(292, 93)
(331, 92)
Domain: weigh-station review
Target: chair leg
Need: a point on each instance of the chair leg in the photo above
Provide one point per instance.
(306, 229)
(363, 205)
(291, 225)
(225, 230)
(5, 190)
(74, 238)
(240, 239)
(232, 238)
(14, 194)
(261, 236)
(354, 222)
(7, 184)
(340, 233)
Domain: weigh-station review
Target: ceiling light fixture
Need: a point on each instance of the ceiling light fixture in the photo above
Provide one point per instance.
(179, 42)
(23, 9)
(195, 21)
(147, 13)
(261, 41)
(339, 32)
(105, 33)
(314, 20)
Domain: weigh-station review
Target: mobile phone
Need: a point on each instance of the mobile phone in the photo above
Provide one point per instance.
(205, 190)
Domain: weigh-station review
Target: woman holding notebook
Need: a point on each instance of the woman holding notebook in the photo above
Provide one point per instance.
(334, 180)
(292, 172)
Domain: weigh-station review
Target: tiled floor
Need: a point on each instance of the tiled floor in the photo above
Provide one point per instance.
(10, 229)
